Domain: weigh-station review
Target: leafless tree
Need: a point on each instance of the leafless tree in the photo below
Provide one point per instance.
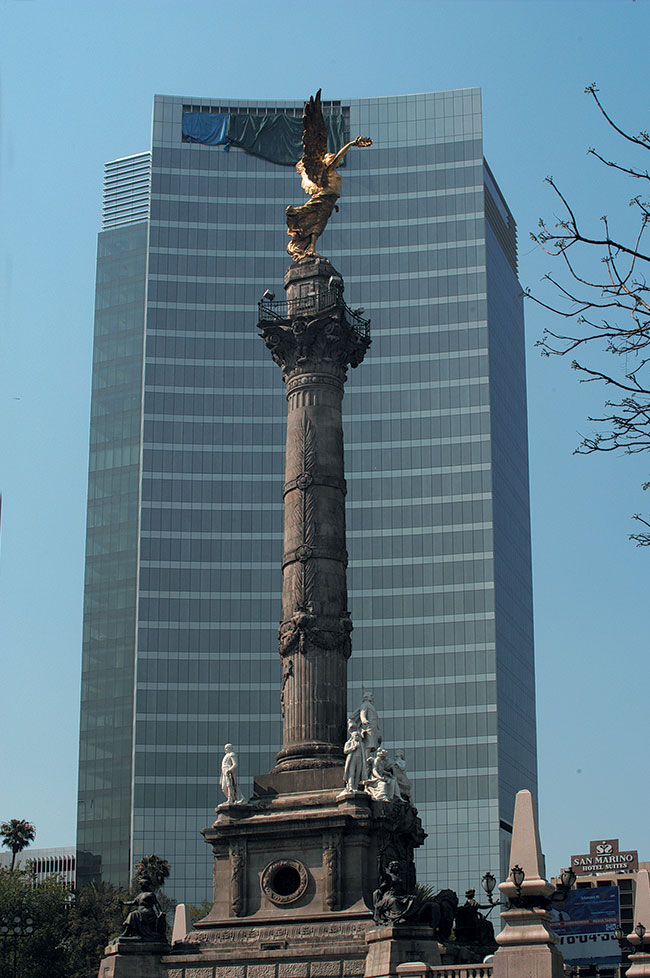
(610, 309)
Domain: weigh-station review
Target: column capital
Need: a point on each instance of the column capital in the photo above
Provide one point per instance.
(313, 329)
(309, 342)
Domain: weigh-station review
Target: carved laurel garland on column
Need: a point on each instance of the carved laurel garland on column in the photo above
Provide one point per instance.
(287, 674)
(237, 880)
(295, 633)
(304, 516)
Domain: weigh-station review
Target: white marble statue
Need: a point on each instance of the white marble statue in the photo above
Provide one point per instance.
(355, 762)
(229, 784)
(404, 788)
(382, 784)
(367, 720)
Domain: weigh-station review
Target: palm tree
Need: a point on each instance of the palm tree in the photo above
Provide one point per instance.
(154, 868)
(16, 835)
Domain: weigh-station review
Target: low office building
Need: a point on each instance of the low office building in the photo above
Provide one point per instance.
(60, 861)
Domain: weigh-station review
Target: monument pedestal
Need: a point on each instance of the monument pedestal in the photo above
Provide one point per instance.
(527, 946)
(294, 877)
(388, 947)
(129, 957)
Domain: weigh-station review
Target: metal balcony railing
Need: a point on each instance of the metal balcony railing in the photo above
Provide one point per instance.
(284, 310)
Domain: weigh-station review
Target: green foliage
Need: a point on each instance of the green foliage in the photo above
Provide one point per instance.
(69, 932)
(199, 910)
(424, 892)
(155, 869)
(95, 918)
(42, 953)
(17, 834)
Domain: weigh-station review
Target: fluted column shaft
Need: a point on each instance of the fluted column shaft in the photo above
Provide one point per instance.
(314, 345)
(314, 592)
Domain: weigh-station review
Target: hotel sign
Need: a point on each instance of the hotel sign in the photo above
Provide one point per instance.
(604, 857)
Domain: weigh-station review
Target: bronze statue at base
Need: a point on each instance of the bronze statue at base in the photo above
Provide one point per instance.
(320, 179)
(146, 921)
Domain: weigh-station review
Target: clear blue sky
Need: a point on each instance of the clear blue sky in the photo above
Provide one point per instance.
(77, 83)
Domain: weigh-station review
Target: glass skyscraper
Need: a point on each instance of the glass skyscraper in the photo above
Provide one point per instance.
(184, 537)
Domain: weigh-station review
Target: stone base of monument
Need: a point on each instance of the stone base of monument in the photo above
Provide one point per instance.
(527, 946)
(323, 946)
(388, 947)
(284, 857)
(129, 957)
(294, 876)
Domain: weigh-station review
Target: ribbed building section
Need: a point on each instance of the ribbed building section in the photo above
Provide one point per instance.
(127, 186)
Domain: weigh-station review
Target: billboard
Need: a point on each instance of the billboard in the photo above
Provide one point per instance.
(585, 926)
(605, 857)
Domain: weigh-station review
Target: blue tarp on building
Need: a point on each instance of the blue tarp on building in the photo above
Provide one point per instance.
(276, 137)
(205, 127)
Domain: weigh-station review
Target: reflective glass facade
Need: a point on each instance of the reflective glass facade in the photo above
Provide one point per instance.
(185, 538)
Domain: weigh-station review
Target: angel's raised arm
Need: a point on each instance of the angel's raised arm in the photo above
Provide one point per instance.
(359, 141)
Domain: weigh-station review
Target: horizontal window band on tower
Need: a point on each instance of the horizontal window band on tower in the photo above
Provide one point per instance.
(445, 412)
(411, 358)
(209, 505)
(207, 535)
(286, 178)
(211, 232)
(253, 686)
(421, 651)
(175, 779)
(430, 530)
(257, 477)
(190, 594)
(424, 385)
(350, 201)
(199, 448)
(415, 561)
(187, 658)
(386, 304)
(343, 225)
(427, 273)
(266, 717)
(474, 741)
(460, 497)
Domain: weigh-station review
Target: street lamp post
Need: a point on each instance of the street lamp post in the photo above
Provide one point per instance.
(16, 926)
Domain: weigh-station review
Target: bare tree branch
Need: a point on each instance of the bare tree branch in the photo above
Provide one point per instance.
(620, 294)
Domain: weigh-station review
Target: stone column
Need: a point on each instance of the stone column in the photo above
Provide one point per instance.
(314, 341)
(527, 945)
(640, 960)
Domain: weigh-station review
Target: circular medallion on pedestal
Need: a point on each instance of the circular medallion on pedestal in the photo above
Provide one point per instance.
(284, 881)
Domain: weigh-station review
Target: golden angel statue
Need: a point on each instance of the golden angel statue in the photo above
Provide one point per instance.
(320, 179)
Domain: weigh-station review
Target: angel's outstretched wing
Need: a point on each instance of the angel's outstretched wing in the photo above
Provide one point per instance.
(314, 140)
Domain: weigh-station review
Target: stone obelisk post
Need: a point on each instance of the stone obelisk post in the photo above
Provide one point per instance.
(314, 341)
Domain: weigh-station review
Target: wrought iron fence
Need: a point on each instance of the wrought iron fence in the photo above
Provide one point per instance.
(283, 310)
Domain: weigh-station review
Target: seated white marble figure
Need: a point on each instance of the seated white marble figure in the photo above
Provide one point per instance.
(382, 784)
